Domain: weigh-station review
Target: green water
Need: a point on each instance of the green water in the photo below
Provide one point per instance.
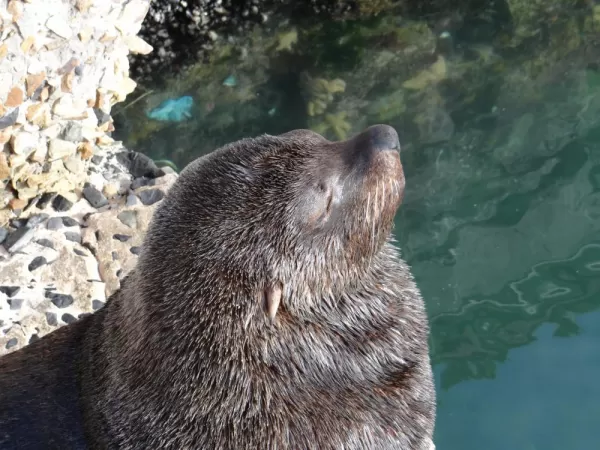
(501, 218)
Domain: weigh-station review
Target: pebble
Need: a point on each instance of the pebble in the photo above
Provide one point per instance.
(61, 204)
(11, 343)
(132, 200)
(135, 250)
(55, 223)
(51, 319)
(128, 218)
(18, 239)
(97, 304)
(36, 263)
(59, 148)
(33, 338)
(3, 234)
(9, 119)
(60, 300)
(94, 196)
(121, 237)
(151, 196)
(139, 165)
(45, 243)
(69, 221)
(15, 303)
(36, 219)
(73, 237)
(142, 181)
(68, 318)
(73, 132)
(10, 291)
(45, 199)
(79, 252)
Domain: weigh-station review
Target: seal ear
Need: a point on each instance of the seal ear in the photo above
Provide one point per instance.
(272, 299)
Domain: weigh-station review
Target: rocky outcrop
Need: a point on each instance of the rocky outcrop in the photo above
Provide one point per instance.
(63, 65)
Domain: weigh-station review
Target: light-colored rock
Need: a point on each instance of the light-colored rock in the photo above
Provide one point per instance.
(23, 143)
(137, 45)
(59, 148)
(59, 26)
(34, 81)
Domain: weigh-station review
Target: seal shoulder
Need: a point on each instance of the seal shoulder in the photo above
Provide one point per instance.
(39, 393)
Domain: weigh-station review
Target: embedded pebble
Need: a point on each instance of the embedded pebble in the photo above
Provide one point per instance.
(3, 234)
(69, 221)
(151, 196)
(60, 300)
(51, 319)
(132, 200)
(73, 236)
(68, 318)
(94, 196)
(10, 291)
(12, 342)
(135, 250)
(121, 237)
(97, 304)
(36, 263)
(55, 223)
(128, 218)
(61, 204)
(45, 243)
(18, 239)
(15, 303)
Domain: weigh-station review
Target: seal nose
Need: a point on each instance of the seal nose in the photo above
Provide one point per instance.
(381, 138)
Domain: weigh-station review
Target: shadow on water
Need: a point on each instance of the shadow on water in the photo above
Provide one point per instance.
(501, 218)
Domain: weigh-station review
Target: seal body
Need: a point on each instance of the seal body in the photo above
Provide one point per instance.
(269, 310)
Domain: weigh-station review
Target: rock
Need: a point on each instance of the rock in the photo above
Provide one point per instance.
(51, 319)
(73, 237)
(110, 190)
(66, 84)
(68, 318)
(121, 237)
(137, 45)
(3, 234)
(151, 196)
(74, 165)
(94, 196)
(69, 221)
(10, 291)
(61, 204)
(86, 150)
(9, 119)
(45, 199)
(59, 26)
(66, 107)
(129, 218)
(17, 204)
(45, 243)
(83, 5)
(143, 181)
(55, 223)
(14, 98)
(12, 342)
(59, 148)
(15, 303)
(73, 132)
(15, 9)
(131, 200)
(18, 239)
(97, 304)
(135, 250)
(36, 263)
(60, 300)
(139, 165)
(36, 219)
(4, 169)
(24, 143)
(3, 51)
(33, 82)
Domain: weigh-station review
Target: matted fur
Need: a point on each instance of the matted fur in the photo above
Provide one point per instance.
(184, 355)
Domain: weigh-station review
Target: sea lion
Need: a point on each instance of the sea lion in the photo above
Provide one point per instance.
(269, 309)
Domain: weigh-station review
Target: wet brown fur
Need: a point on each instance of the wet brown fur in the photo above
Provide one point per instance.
(185, 355)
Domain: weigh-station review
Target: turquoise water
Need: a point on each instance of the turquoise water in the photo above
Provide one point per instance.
(501, 218)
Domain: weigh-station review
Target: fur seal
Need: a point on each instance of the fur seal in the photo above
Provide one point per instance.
(269, 309)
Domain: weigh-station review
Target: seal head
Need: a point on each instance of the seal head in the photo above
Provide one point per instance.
(269, 308)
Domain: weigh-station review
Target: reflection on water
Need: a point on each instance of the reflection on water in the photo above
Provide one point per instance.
(501, 149)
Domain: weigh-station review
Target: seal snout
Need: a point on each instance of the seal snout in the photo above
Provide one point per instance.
(380, 138)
